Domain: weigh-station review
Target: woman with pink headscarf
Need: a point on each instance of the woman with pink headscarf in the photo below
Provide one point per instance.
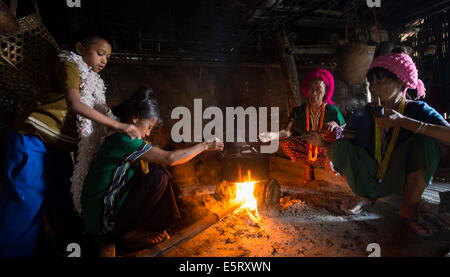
(394, 153)
(317, 114)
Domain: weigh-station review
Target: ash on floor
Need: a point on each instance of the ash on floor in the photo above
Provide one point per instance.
(312, 224)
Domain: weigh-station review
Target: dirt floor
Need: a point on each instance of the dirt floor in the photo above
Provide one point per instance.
(312, 223)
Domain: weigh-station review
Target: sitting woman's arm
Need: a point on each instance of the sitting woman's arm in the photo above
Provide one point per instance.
(287, 132)
(170, 158)
(439, 132)
(395, 119)
(269, 136)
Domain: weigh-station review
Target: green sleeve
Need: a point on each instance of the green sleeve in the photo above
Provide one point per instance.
(340, 118)
(337, 116)
(130, 145)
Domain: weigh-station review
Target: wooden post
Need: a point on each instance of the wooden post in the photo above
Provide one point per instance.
(8, 22)
(287, 62)
(14, 7)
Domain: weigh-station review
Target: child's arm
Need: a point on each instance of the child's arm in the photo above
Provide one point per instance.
(169, 158)
(74, 104)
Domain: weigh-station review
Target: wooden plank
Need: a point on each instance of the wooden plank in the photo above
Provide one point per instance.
(313, 50)
(130, 58)
(186, 234)
(14, 7)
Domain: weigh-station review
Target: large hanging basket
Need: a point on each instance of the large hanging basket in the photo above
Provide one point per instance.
(25, 57)
(354, 62)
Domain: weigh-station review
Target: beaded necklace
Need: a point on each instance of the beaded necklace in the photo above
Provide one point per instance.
(313, 157)
(383, 163)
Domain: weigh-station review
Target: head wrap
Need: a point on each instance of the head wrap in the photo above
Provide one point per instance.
(404, 68)
(323, 75)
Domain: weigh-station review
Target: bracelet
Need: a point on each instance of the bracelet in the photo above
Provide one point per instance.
(421, 129)
(424, 129)
(418, 128)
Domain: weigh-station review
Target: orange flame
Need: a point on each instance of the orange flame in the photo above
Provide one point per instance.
(244, 193)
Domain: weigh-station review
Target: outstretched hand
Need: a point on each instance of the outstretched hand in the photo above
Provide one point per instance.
(269, 136)
(214, 145)
(314, 138)
(329, 126)
(391, 118)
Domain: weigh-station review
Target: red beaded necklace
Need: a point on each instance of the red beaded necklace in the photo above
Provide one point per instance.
(313, 156)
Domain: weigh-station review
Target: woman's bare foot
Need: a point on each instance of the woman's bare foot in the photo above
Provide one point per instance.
(107, 249)
(363, 205)
(145, 239)
(330, 168)
(419, 226)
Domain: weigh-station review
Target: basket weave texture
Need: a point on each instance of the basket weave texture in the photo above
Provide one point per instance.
(25, 59)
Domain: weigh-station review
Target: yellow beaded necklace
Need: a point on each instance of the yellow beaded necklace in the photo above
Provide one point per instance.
(383, 163)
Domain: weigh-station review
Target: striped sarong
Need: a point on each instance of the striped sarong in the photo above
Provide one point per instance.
(118, 183)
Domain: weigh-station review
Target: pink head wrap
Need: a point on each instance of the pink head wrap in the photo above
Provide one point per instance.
(404, 68)
(323, 75)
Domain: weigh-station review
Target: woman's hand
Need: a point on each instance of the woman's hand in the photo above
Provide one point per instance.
(215, 145)
(329, 126)
(391, 118)
(314, 138)
(130, 130)
(269, 136)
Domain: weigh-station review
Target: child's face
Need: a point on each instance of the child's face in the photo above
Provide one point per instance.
(144, 126)
(316, 91)
(96, 54)
(385, 88)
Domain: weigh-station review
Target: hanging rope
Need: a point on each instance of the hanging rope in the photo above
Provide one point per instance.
(377, 25)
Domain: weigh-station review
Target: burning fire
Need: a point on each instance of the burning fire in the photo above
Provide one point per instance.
(244, 193)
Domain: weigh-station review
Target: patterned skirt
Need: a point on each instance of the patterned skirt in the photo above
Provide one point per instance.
(297, 149)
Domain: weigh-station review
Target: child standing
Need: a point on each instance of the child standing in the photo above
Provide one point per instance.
(37, 149)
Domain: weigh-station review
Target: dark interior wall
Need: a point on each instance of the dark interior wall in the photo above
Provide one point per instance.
(222, 85)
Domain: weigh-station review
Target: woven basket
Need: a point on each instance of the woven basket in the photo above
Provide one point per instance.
(25, 57)
(355, 60)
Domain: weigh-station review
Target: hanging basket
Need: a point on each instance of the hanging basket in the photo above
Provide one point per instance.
(25, 57)
(354, 62)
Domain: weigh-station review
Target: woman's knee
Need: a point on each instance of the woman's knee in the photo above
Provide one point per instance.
(423, 150)
(159, 177)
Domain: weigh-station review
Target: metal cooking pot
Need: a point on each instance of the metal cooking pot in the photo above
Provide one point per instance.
(239, 159)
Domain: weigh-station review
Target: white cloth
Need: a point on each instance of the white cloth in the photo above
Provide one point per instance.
(91, 134)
